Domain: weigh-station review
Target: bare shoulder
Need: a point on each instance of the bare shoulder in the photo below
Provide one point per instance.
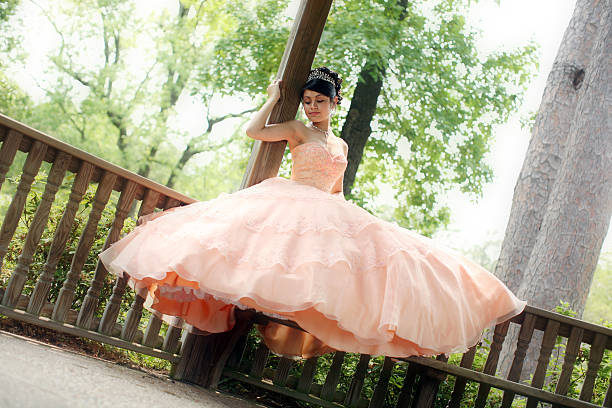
(300, 131)
(299, 126)
(343, 143)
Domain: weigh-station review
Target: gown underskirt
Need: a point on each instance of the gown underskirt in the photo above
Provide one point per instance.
(291, 249)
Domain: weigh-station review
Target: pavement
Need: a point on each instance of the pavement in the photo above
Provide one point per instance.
(35, 374)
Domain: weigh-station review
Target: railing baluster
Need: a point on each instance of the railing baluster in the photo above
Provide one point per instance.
(260, 360)
(20, 274)
(135, 313)
(173, 335)
(91, 300)
(522, 344)
(380, 392)
(466, 362)
(428, 385)
(308, 373)
(174, 331)
(608, 400)
(282, 372)
(328, 392)
(151, 335)
(354, 391)
(405, 397)
(13, 214)
(60, 238)
(548, 342)
(155, 322)
(571, 352)
(113, 306)
(7, 153)
(66, 295)
(491, 365)
(595, 356)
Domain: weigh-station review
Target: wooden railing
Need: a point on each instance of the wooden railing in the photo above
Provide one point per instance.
(420, 378)
(349, 381)
(107, 179)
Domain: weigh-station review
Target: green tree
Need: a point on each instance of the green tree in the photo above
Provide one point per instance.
(13, 100)
(423, 102)
(118, 76)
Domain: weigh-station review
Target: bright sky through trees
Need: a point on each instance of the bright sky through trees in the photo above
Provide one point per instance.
(509, 24)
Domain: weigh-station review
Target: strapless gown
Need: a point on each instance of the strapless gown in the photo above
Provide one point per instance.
(292, 249)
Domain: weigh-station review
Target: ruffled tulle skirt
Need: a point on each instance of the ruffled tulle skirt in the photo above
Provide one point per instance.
(354, 282)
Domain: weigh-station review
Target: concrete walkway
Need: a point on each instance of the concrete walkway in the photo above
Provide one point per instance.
(34, 374)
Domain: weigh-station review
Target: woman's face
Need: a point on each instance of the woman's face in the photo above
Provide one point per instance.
(317, 107)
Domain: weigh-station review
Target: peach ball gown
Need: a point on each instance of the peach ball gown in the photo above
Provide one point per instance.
(291, 249)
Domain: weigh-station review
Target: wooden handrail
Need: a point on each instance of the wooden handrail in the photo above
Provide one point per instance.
(101, 165)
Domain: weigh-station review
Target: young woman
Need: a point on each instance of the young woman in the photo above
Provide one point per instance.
(296, 249)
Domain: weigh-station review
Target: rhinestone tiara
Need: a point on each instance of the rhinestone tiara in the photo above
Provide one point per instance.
(318, 74)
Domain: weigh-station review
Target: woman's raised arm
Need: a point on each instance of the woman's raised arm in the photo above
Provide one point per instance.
(257, 128)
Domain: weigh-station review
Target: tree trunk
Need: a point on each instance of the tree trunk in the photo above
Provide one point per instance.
(547, 146)
(577, 219)
(542, 193)
(356, 129)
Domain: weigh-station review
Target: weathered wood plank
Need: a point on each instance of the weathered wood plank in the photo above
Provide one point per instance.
(60, 238)
(91, 300)
(66, 294)
(37, 226)
(354, 392)
(7, 152)
(282, 372)
(260, 360)
(11, 219)
(328, 392)
(548, 342)
(595, 356)
(491, 364)
(308, 372)
(404, 400)
(522, 344)
(380, 392)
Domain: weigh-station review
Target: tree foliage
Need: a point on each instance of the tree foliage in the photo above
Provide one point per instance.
(119, 76)
(440, 100)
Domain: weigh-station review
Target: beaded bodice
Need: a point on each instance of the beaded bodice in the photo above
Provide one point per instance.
(314, 164)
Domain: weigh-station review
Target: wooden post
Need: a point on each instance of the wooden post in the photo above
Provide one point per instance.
(266, 158)
(299, 53)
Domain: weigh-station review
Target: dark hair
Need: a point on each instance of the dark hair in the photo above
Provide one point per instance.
(324, 86)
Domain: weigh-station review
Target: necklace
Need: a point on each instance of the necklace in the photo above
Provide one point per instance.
(315, 127)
